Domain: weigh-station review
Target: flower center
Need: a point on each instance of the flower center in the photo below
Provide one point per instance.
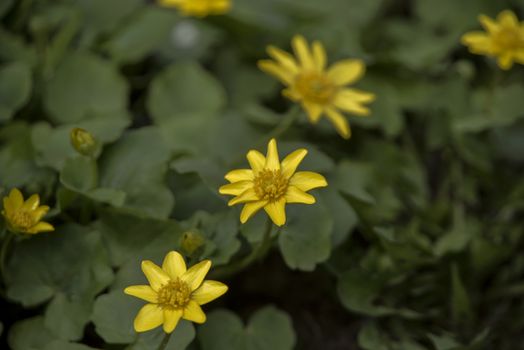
(22, 219)
(508, 39)
(315, 87)
(174, 295)
(270, 184)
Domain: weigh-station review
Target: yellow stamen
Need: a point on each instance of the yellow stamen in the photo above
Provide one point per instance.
(22, 219)
(174, 295)
(270, 184)
(508, 39)
(315, 87)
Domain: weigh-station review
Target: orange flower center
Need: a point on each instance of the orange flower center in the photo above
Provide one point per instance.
(22, 219)
(270, 184)
(315, 87)
(508, 39)
(174, 295)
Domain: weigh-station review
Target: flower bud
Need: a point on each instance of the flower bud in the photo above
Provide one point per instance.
(83, 142)
(191, 242)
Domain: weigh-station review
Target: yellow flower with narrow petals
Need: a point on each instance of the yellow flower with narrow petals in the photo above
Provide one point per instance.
(174, 293)
(320, 91)
(503, 39)
(270, 184)
(199, 8)
(24, 217)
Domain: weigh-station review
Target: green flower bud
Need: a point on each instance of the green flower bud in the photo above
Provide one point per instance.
(83, 142)
(191, 242)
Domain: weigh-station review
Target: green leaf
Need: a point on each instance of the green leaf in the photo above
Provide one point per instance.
(305, 240)
(352, 178)
(53, 144)
(181, 337)
(79, 174)
(146, 32)
(29, 334)
(70, 260)
(128, 236)
(268, 328)
(184, 89)
(113, 316)
(137, 165)
(103, 16)
(17, 155)
(460, 302)
(66, 318)
(15, 88)
(84, 85)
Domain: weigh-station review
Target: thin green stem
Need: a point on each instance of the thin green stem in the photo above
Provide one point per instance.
(257, 253)
(164, 342)
(3, 253)
(285, 123)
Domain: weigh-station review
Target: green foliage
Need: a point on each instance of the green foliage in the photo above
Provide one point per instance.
(416, 243)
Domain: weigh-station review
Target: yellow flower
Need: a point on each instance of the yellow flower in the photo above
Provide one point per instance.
(320, 91)
(199, 8)
(503, 39)
(270, 184)
(174, 293)
(24, 217)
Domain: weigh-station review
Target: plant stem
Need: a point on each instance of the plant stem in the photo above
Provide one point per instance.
(255, 254)
(164, 342)
(285, 123)
(3, 254)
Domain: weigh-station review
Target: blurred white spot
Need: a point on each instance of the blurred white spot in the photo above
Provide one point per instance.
(185, 34)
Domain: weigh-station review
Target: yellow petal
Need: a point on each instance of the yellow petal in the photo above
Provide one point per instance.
(292, 161)
(15, 199)
(307, 180)
(291, 94)
(489, 24)
(248, 195)
(319, 56)
(340, 123)
(143, 292)
(193, 312)
(250, 209)
(301, 49)
(171, 318)
(276, 211)
(294, 195)
(41, 227)
(239, 175)
(279, 72)
(174, 265)
(40, 212)
(285, 59)
(196, 274)
(508, 19)
(150, 316)
(477, 42)
(351, 100)
(519, 55)
(236, 188)
(208, 291)
(272, 160)
(31, 203)
(346, 71)
(154, 274)
(313, 111)
(256, 160)
(505, 61)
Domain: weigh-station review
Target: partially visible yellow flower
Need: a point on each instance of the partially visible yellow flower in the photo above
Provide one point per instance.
(83, 141)
(321, 91)
(24, 217)
(270, 184)
(174, 293)
(199, 8)
(503, 39)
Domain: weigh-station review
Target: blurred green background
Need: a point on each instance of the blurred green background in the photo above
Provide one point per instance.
(417, 243)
